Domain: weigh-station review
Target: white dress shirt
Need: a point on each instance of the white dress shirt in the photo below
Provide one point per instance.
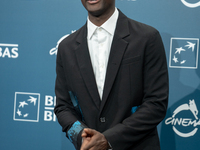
(99, 43)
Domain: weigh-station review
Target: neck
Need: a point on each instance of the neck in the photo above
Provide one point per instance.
(99, 20)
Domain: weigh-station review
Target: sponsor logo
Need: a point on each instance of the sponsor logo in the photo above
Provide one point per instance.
(27, 107)
(190, 5)
(184, 53)
(50, 102)
(188, 126)
(54, 50)
(9, 50)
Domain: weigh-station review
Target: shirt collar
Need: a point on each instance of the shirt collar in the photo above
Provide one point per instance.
(109, 25)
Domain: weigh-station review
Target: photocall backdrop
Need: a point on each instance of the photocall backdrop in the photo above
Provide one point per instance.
(30, 31)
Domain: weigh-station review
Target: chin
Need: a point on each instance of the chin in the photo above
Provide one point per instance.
(96, 13)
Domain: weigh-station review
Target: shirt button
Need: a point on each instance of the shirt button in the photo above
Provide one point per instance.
(102, 119)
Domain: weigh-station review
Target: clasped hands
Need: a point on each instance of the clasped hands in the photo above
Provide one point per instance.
(93, 140)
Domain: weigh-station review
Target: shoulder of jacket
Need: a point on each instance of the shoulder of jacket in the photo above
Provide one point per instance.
(70, 38)
(142, 28)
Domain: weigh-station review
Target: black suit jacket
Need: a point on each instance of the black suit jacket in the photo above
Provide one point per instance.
(136, 77)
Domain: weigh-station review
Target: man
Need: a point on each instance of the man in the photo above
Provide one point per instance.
(112, 82)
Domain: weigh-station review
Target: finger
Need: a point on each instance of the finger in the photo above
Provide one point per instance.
(89, 142)
(100, 146)
(97, 142)
(84, 134)
(86, 138)
(83, 146)
(85, 143)
(86, 146)
(90, 131)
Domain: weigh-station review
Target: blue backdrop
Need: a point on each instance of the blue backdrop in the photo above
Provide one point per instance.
(30, 31)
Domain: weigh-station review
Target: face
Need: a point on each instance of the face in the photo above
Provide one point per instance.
(98, 8)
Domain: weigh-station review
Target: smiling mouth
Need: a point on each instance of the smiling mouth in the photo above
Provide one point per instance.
(92, 1)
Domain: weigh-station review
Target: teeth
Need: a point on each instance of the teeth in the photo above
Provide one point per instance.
(92, 0)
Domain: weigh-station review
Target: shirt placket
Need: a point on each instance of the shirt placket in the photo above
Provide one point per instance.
(101, 59)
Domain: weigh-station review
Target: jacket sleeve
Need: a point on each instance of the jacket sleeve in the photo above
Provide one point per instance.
(154, 103)
(66, 109)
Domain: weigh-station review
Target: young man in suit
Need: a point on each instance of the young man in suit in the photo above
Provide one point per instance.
(112, 82)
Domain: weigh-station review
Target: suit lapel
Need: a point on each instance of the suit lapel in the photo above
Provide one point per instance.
(118, 48)
(85, 65)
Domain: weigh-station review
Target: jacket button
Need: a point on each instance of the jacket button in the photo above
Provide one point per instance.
(102, 119)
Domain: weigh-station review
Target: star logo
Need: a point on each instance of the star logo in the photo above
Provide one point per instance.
(19, 112)
(183, 61)
(179, 50)
(32, 100)
(26, 107)
(22, 104)
(190, 45)
(184, 53)
(175, 59)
